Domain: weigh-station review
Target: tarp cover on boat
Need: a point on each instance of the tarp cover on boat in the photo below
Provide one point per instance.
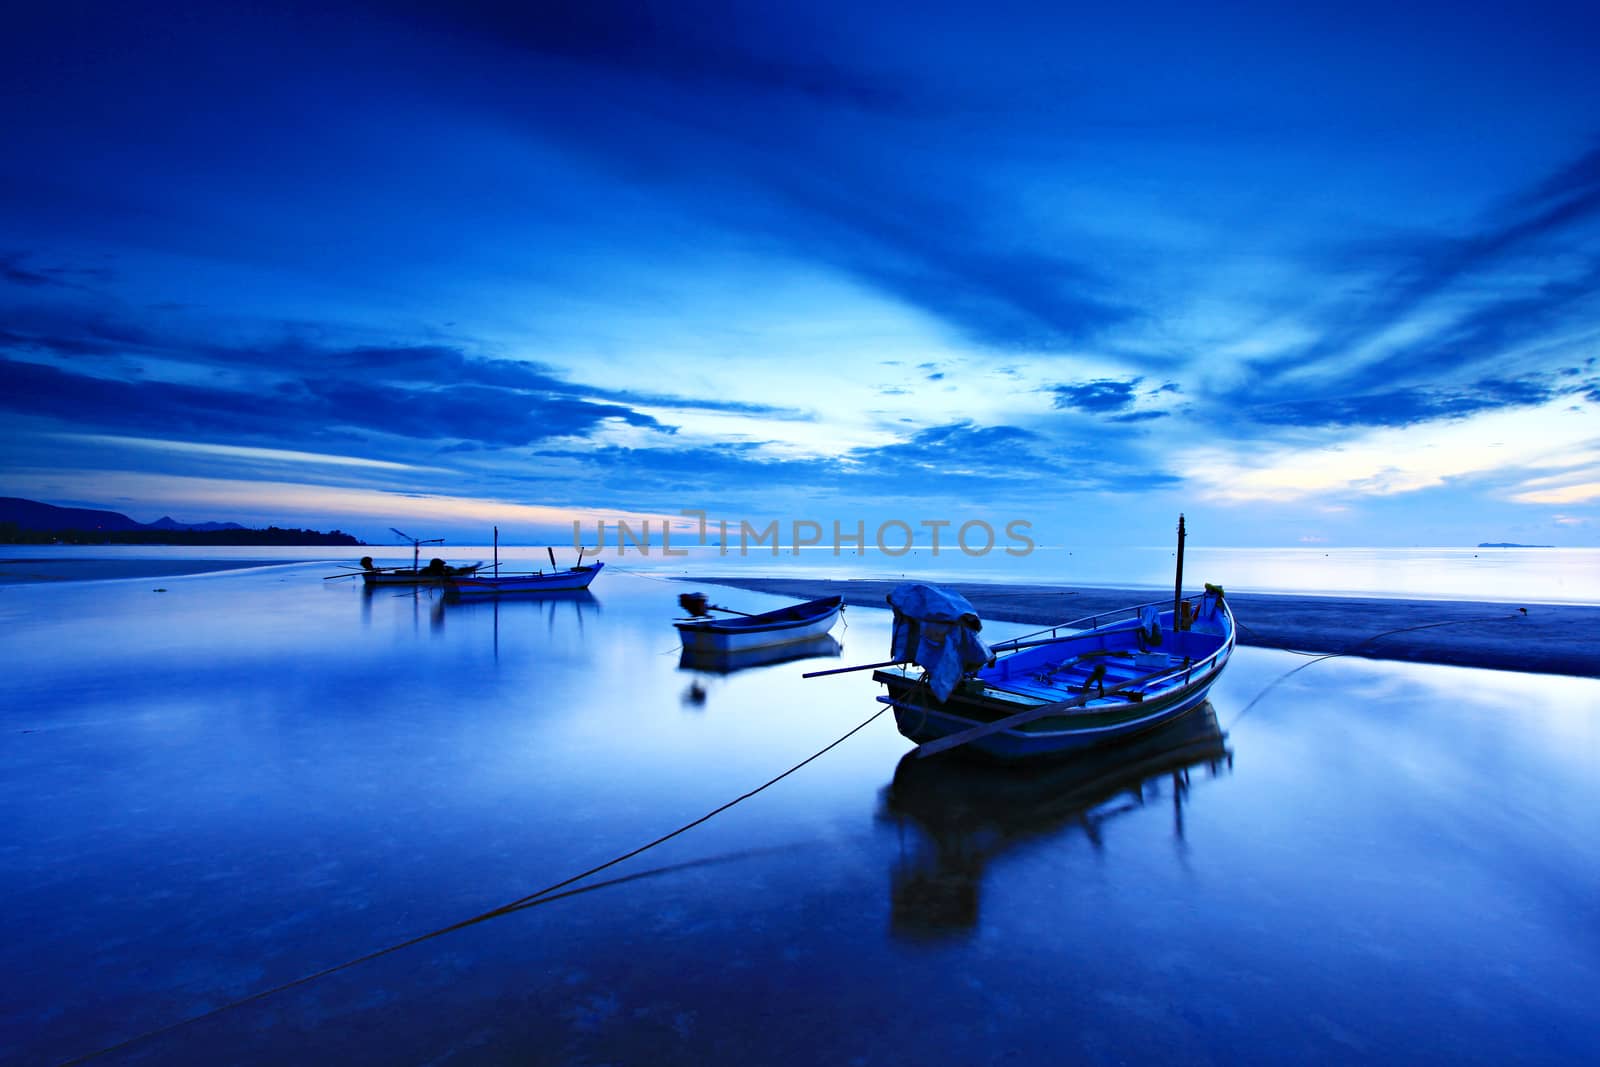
(938, 631)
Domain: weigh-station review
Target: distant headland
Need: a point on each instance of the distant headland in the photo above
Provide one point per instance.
(29, 522)
(1508, 544)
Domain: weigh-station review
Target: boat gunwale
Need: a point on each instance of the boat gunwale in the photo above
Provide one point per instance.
(1117, 619)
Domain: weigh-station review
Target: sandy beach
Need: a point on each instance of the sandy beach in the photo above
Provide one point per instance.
(1548, 639)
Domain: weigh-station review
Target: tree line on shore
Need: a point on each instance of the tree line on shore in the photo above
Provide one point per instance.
(12, 533)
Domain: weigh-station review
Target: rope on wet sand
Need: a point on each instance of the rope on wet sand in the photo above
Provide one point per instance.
(542, 896)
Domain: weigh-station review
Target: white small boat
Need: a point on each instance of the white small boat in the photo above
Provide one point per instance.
(537, 582)
(798, 622)
(435, 572)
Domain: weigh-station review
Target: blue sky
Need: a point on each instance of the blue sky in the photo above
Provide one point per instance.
(1328, 275)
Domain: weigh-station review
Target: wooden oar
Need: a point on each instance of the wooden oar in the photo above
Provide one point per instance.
(1044, 711)
(847, 670)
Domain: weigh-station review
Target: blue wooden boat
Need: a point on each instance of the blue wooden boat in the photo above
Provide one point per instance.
(1084, 683)
(798, 622)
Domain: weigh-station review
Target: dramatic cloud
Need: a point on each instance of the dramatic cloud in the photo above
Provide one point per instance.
(640, 253)
(416, 391)
(314, 409)
(1473, 284)
(1404, 407)
(1098, 397)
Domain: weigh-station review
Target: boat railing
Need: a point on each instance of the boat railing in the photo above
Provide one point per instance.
(1187, 669)
(1085, 623)
(1202, 666)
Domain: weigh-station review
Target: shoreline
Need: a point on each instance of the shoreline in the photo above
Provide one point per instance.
(37, 571)
(1548, 639)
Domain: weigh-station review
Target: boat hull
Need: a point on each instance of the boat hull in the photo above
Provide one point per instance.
(1054, 738)
(555, 582)
(785, 626)
(1102, 711)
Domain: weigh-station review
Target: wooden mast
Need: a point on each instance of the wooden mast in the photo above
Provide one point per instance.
(1177, 591)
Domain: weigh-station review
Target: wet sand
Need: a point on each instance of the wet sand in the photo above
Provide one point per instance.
(1549, 639)
(27, 571)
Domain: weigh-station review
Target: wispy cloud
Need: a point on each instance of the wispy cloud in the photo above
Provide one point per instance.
(1406, 407)
(275, 455)
(14, 269)
(1461, 302)
(316, 409)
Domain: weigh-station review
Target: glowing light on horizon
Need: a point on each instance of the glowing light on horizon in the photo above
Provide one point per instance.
(1567, 494)
(1391, 461)
(241, 451)
(297, 504)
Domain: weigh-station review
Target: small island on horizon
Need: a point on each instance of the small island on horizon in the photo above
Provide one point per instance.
(1508, 544)
(30, 522)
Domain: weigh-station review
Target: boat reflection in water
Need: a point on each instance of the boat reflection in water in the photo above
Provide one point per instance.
(555, 609)
(700, 661)
(425, 600)
(971, 812)
(709, 662)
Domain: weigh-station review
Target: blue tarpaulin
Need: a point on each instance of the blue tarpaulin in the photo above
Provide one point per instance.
(938, 631)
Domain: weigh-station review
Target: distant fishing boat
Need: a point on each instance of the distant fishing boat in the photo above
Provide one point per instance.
(555, 580)
(472, 585)
(1079, 684)
(799, 622)
(435, 572)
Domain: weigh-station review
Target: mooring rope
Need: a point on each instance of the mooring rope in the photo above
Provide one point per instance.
(1350, 650)
(542, 896)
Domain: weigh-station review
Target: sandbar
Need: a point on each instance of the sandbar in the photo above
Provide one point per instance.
(1546, 639)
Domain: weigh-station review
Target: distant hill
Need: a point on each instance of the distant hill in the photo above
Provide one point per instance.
(166, 522)
(1508, 544)
(32, 522)
(32, 515)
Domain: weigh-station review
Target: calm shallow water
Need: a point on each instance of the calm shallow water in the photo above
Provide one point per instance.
(1515, 575)
(253, 776)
